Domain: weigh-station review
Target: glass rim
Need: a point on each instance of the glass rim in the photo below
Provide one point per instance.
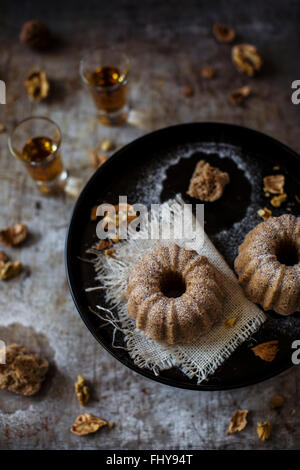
(23, 121)
(125, 72)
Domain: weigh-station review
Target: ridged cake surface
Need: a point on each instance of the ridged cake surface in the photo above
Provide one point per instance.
(268, 264)
(174, 295)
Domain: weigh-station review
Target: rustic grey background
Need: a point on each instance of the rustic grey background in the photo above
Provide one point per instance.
(168, 43)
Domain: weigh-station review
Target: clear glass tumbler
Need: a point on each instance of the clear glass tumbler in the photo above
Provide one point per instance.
(36, 142)
(105, 73)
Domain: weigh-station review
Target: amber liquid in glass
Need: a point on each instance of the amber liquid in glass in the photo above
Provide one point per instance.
(35, 155)
(108, 88)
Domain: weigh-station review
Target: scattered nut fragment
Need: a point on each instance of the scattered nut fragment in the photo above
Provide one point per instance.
(274, 184)
(3, 259)
(82, 391)
(230, 322)
(297, 199)
(36, 35)
(2, 127)
(10, 269)
(14, 235)
(104, 244)
(239, 95)
(276, 402)
(238, 421)
(37, 85)
(111, 424)
(116, 238)
(276, 201)
(264, 213)
(207, 183)
(97, 159)
(93, 216)
(109, 253)
(106, 145)
(266, 351)
(276, 167)
(264, 430)
(188, 91)
(23, 372)
(207, 72)
(87, 423)
(223, 33)
(246, 59)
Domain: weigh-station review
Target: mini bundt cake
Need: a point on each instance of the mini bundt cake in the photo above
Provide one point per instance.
(174, 295)
(268, 264)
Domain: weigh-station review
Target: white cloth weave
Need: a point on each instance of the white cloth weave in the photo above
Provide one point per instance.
(204, 356)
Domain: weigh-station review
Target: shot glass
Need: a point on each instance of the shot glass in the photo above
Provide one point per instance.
(105, 73)
(36, 142)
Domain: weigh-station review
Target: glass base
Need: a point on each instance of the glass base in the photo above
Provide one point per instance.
(114, 119)
(54, 186)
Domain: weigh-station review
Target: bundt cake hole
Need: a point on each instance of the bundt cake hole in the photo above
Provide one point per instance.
(287, 253)
(172, 285)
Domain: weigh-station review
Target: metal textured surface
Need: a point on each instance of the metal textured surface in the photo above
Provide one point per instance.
(168, 47)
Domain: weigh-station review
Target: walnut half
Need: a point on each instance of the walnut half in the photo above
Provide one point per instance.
(87, 423)
(246, 59)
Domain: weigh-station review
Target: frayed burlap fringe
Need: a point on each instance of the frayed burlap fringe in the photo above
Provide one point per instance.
(204, 356)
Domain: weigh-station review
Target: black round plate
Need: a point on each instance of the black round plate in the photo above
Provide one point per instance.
(154, 168)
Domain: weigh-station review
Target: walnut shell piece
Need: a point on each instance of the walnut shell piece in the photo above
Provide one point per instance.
(264, 430)
(14, 235)
(207, 72)
(246, 59)
(87, 423)
(207, 183)
(37, 85)
(223, 32)
(239, 95)
(23, 372)
(82, 391)
(35, 35)
(276, 402)
(238, 421)
(266, 351)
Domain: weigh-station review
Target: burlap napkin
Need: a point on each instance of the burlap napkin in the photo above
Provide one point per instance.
(204, 356)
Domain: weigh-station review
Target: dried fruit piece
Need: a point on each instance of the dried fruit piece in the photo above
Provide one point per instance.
(264, 430)
(223, 33)
(36, 35)
(10, 269)
(276, 201)
(106, 145)
(97, 159)
(274, 184)
(104, 244)
(188, 91)
(82, 391)
(207, 183)
(14, 235)
(246, 59)
(239, 95)
(37, 85)
(266, 351)
(238, 421)
(23, 372)
(207, 72)
(230, 322)
(87, 423)
(264, 213)
(276, 402)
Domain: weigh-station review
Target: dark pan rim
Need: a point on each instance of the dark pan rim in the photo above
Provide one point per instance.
(128, 362)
